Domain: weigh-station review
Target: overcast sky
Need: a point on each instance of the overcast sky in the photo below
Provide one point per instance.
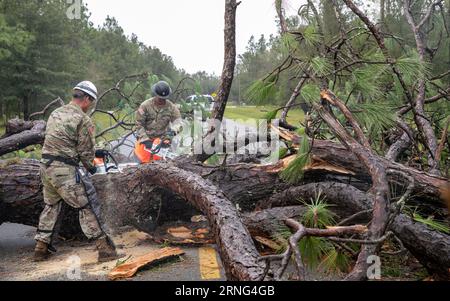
(191, 32)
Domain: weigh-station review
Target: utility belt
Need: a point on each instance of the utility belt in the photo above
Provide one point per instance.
(64, 160)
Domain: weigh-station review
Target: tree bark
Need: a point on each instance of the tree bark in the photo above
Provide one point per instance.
(227, 75)
(431, 248)
(21, 134)
(129, 197)
(133, 199)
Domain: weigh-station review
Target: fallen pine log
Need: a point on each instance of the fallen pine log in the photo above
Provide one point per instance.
(130, 198)
(133, 199)
(330, 161)
(20, 134)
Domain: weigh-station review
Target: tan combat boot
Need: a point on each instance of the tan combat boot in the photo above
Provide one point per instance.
(41, 252)
(106, 251)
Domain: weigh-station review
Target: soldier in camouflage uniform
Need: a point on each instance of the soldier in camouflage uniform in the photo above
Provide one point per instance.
(69, 140)
(154, 116)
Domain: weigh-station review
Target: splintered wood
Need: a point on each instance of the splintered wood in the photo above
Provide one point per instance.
(128, 270)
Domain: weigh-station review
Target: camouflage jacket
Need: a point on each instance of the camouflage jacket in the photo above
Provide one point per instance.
(70, 134)
(153, 121)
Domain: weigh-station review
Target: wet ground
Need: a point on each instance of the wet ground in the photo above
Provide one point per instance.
(77, 260)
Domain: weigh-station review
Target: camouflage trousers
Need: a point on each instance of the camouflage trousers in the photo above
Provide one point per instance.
(60, 184)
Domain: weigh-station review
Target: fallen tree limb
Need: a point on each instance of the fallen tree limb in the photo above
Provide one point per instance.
(426, 185)
(431, 248)
(22, 134)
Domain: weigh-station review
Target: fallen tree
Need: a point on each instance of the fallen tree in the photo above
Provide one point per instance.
(229, 194)
(137, 198)
(20, 134)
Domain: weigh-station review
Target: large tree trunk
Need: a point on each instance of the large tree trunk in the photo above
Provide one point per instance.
(133, 199)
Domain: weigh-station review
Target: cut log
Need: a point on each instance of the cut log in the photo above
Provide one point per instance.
(128, 270)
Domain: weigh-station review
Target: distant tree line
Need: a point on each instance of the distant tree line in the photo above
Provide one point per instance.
(43, 54)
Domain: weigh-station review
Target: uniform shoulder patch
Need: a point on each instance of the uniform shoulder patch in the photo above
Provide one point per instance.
(91, 130)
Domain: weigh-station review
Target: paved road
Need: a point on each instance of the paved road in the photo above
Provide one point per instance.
(16, 250)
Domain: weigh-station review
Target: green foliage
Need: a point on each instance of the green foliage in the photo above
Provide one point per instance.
(214, 160)
(375, 117)
(412, 68)
(321, 66)
(269, 116)
(335, 262)
(318, 214)
(295, 171)
(311, 36)
(278, 155)
(262, 90)
(43, 55)
(319, 253)
(313, 250)
(432, 223)
(311, 93)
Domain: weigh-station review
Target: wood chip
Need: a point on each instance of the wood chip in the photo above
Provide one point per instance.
(268, 243)
(180, 232)
(128, 270)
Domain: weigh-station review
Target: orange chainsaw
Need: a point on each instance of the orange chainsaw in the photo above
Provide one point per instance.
(157, 149)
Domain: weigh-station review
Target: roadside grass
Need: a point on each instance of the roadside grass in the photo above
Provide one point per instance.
(2, 126)
(245, 114)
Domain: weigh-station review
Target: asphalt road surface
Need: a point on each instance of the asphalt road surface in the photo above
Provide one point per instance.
(16, 251)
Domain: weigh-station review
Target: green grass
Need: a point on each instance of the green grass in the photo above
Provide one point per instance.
(248, 113)
(2, 126)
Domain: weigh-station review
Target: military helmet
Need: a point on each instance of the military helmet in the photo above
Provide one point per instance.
(88, 88)
(162, 90)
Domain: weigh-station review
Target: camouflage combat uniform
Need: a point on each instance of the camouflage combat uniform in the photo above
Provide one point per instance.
(154, 121)
(69, 134)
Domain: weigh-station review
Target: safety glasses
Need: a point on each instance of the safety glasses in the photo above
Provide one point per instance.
(78, 95)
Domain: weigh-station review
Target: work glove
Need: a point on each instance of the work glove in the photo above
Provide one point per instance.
(101, 153)
(147, 143)
(171, 134)
(93, 170)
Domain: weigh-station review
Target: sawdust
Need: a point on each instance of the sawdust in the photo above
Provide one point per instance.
(61, 265)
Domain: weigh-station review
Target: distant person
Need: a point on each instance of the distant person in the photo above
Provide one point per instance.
(155, 116)
(69, 140)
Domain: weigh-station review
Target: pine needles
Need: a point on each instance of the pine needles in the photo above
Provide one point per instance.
(295, 171)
